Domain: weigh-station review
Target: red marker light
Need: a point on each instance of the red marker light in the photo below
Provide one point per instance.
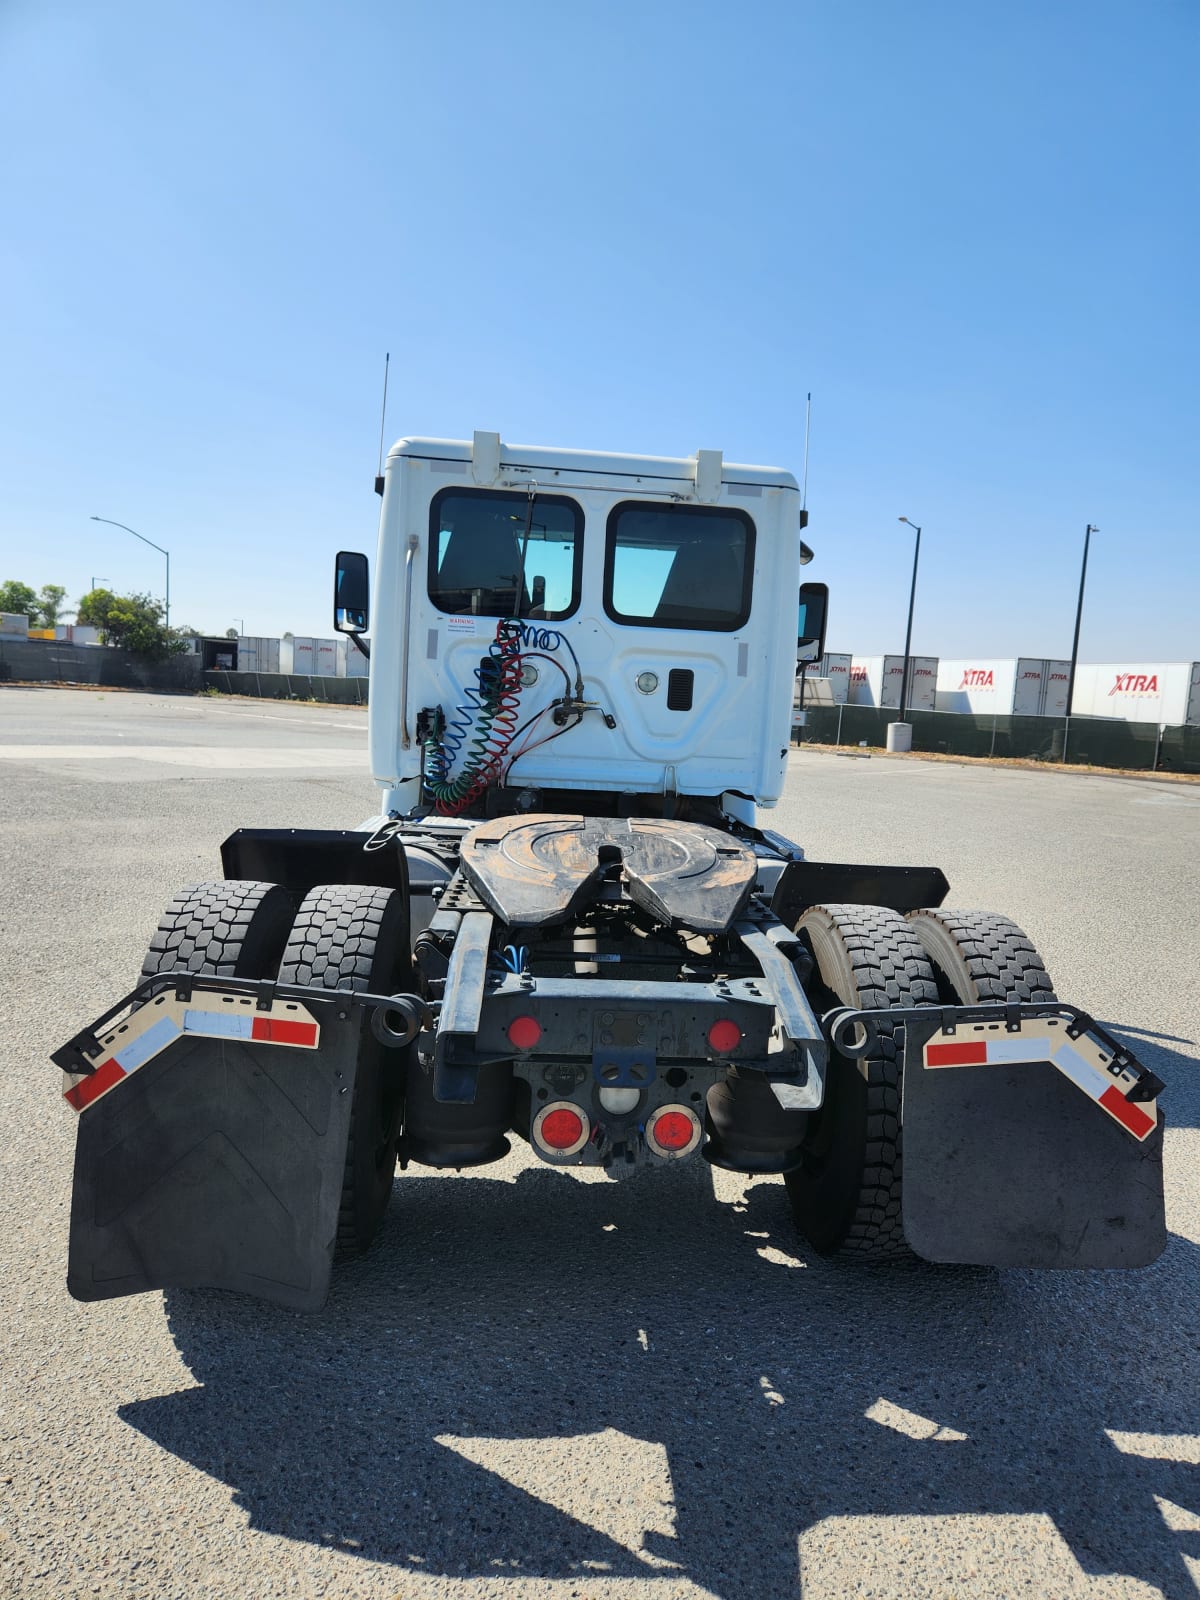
(724, 1036)
(673, 1131)
(561, 1129)
(524, 1032)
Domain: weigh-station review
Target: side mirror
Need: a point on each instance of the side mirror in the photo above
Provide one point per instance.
(810, 626)
(351, 593)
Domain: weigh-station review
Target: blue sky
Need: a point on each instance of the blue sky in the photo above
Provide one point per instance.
(968, 228)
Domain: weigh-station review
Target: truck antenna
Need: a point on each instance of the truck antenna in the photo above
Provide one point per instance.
(382, 423)
(807, 431)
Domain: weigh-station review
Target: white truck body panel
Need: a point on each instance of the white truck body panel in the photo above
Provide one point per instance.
(735, 737)
(1166, 692)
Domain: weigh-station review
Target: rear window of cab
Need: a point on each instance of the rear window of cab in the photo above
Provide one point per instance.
(678, 566)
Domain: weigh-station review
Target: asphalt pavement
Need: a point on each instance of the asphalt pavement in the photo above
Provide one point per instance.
(542, 1385)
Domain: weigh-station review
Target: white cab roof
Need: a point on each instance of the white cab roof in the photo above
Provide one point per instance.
(589, 463)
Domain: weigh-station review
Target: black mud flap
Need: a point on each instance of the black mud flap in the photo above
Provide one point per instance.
(217, 1164)
(1013, 1164)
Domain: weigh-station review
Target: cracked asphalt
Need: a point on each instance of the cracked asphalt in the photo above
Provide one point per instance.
(537, 1385)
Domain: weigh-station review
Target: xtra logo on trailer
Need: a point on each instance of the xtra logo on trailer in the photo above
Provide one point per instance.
(858, 674)
(978, 678)
(1135, 683)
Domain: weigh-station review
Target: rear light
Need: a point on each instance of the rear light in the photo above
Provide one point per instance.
(724, 1036)
(561, 1129)
(524, 1032)
(673, 1131)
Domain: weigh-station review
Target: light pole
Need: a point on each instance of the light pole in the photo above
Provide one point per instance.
(912, 597)
(153, 546)
(1087, 539)
(241, 622)
(100, 580)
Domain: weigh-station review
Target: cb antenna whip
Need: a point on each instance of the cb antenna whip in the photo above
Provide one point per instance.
(807, 431)
(382, 423)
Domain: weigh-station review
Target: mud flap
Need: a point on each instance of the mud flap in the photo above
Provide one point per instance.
(216, 1164)
(1010, 1164)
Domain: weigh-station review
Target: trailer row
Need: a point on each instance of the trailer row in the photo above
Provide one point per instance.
(1165, 692)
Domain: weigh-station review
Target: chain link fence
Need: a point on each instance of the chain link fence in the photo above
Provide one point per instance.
(1082, 741)
(289, 686)
(54, 661)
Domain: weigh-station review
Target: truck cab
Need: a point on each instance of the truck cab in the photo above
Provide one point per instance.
(655, 600)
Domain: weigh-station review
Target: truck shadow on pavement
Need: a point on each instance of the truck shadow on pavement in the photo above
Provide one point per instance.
(500, 1329)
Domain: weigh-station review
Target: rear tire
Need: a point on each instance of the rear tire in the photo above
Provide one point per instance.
(351, 937)
(231, 929)
(978, 957)
(846, 1196)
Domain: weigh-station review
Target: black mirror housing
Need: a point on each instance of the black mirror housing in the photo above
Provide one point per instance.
(351, 593)
(810, 628)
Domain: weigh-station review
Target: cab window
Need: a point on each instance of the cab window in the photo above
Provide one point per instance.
(492, 554)
(678, 566)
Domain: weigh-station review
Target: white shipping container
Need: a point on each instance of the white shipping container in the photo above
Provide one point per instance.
(922, 688)
(817, 692)
(1054, 689)
(834, 669)
(357, 665)
(319, 658)
(14, 624)
(877, 681)
(1023, 686)
(256, 654)
(1166, 692)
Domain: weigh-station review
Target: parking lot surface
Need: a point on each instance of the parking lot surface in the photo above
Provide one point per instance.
(537, 1385)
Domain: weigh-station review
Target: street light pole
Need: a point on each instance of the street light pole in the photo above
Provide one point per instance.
(153, 546)
(912, 597)
(1087, 539)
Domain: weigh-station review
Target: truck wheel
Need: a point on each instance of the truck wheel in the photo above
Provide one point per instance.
(846, 1195)
(229, 929)
(350, 937)
(978, 957)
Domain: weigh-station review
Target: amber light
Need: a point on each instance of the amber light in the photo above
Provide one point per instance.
(724, 1036)
(524, 1032)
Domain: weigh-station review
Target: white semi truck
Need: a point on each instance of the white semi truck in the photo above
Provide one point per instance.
(565, 924)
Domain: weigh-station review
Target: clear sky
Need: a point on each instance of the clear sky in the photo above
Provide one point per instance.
(969, 227)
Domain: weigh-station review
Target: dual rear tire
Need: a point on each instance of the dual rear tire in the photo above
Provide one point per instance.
(846, 1197)
(339, 937)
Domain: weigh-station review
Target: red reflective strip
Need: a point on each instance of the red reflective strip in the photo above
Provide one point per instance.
(95, 1084)
(277, 1030)
(956, 1055)
(1129, 1115)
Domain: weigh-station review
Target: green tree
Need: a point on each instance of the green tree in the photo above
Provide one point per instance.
(51, 602)
(17, 598)
(130, 622)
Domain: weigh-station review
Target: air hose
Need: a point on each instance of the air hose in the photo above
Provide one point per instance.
(483, 725)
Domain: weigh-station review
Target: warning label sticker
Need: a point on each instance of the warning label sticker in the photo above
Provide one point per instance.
(461, 625)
